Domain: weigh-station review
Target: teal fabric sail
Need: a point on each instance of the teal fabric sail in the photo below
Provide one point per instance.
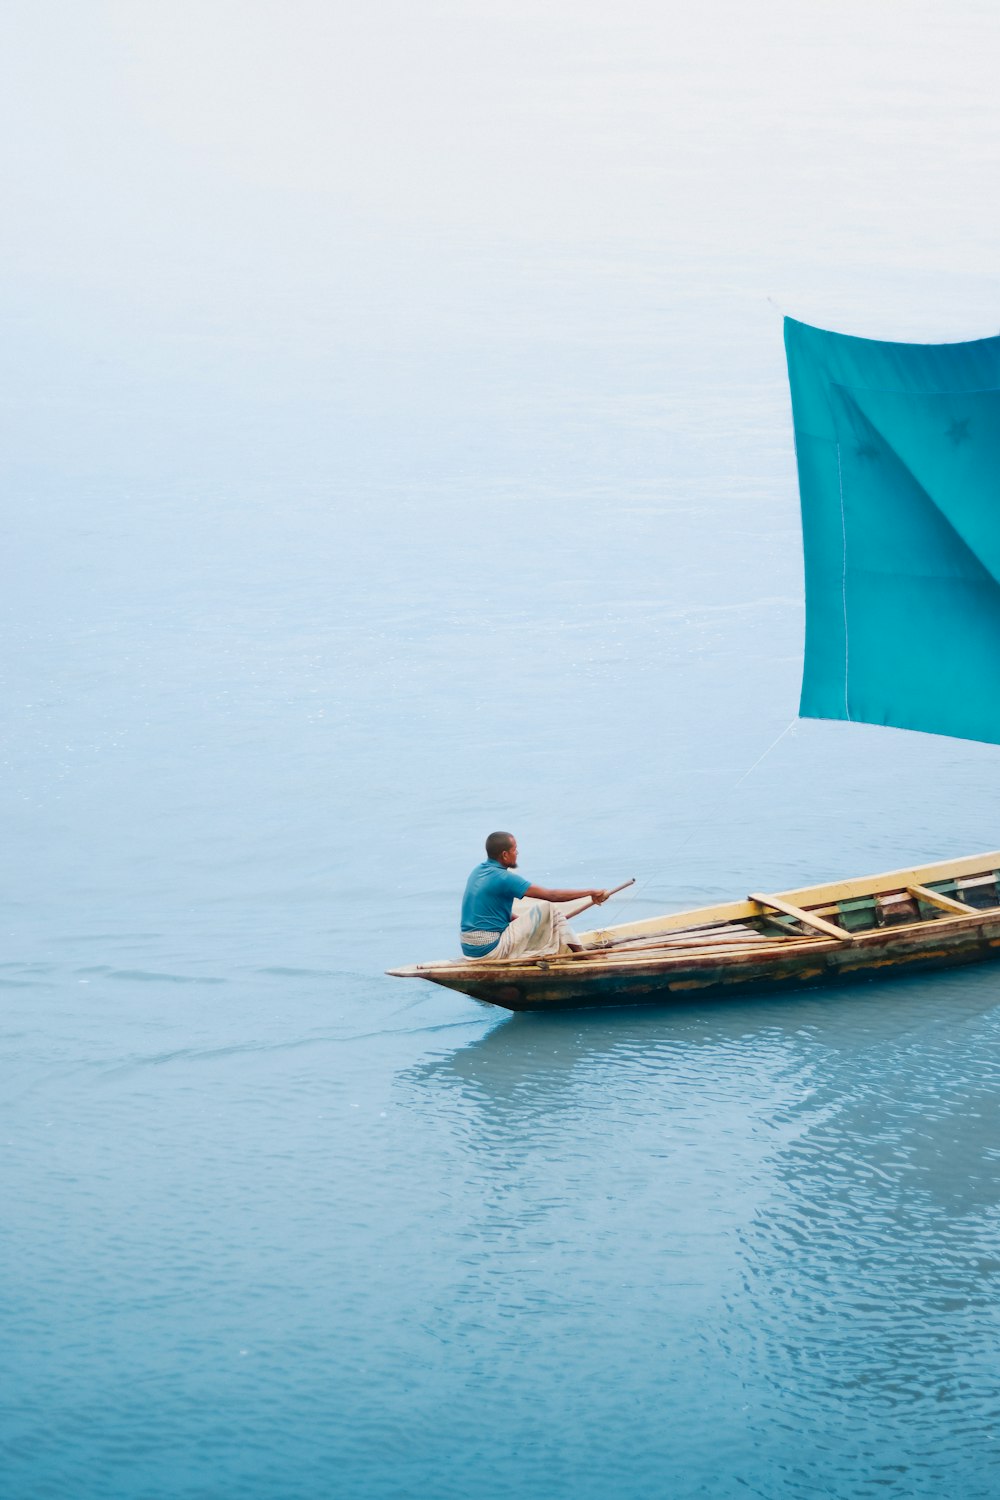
(898, 450)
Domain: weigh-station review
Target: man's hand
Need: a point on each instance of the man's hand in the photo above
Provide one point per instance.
(598, 897)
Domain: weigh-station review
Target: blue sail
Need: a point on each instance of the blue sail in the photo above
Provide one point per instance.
(898, 450)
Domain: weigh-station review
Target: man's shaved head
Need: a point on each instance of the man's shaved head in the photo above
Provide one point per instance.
(499, 843)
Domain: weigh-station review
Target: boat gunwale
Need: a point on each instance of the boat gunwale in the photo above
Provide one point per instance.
(829, 891)
(601, 961)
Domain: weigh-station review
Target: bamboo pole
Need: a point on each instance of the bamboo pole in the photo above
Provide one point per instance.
(581, 909)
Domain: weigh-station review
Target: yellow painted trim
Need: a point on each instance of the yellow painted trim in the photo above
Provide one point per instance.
(813, 895)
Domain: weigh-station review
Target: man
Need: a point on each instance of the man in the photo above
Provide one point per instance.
(489, 929)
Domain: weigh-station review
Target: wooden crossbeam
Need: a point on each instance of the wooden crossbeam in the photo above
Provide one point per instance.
(946, 903)
(805, 917)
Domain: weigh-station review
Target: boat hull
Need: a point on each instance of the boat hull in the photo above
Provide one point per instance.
(565, 985)
(905, 921)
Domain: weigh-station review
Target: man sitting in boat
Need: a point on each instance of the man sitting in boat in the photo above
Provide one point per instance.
(489, 928)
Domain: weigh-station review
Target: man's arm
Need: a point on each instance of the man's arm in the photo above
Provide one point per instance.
(542, 893)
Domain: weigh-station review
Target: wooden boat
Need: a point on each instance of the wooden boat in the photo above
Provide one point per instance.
(932, 916)
(898, 451)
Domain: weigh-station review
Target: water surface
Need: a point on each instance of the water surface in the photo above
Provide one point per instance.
(396, 447)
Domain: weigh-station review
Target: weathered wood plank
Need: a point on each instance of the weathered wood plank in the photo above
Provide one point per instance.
(685, 938)
(946, 903)
(805, 917)
(611, 960)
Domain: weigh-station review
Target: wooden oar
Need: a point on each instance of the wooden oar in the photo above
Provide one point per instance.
(694, 940)
(619, 957)
(580, 909)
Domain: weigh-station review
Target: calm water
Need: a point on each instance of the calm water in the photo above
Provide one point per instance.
(359, 499)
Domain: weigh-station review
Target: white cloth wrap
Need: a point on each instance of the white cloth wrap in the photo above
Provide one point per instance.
(538, 930)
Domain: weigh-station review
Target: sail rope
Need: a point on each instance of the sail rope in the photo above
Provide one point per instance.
(773, 745)
(700, 827)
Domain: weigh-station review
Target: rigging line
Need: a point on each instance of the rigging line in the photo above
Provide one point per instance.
(719, 802)
(790, 725)
(843, 587)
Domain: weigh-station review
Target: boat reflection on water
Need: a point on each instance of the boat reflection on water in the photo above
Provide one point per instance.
(543, 1061)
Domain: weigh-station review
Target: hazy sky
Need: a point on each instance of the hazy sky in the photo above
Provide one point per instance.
(217, 197)
(200, 138)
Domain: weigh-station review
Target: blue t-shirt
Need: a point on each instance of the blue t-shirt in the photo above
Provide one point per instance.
(490, 892)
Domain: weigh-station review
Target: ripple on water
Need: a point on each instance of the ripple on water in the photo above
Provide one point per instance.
(816, 1179)
(725, 1244)
(148, 976)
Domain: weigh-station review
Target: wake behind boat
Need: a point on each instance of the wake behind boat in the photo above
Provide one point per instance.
(928, 917)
